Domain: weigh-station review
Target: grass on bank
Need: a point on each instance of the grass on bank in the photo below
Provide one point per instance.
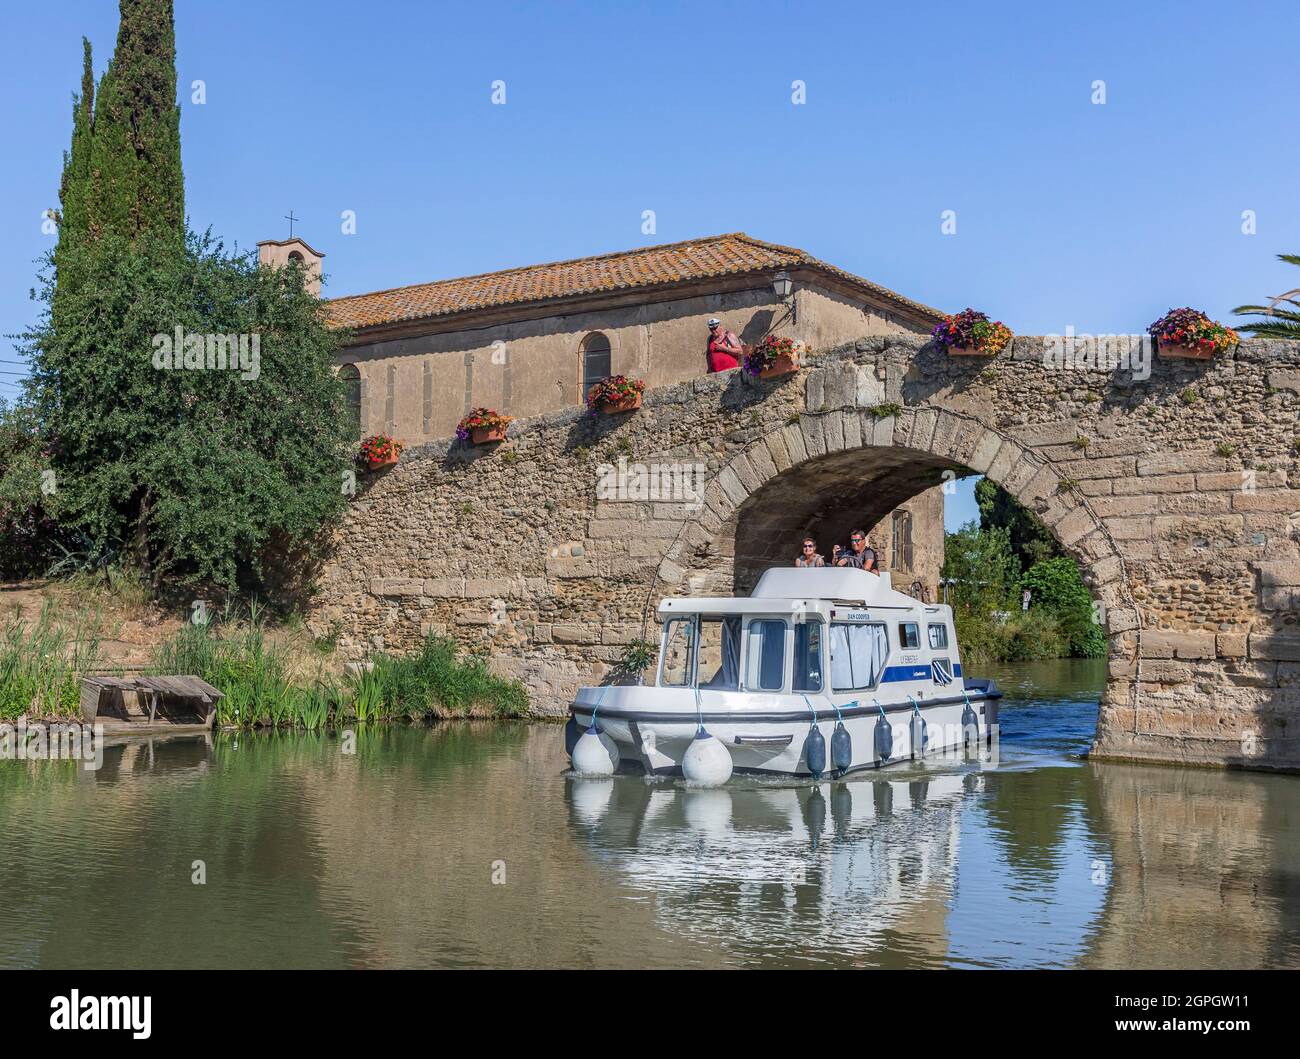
(265, 688)
(41, 663)
(285, 680)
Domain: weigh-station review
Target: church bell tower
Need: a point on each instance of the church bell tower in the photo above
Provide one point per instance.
(277, 253)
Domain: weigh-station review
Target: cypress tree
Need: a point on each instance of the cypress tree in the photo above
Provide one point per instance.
(75, 185)
(135, 157)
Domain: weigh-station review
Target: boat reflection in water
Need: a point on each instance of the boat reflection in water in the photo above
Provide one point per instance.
(859, 871)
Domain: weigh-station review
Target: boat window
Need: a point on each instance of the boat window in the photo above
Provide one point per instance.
(679, 650)
(765, 655)
(941, 669)
(858, 653)
(939, 637)
(909, 635)
(720, 652)
(808, 656)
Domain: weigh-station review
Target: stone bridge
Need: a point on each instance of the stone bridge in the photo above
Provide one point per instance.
(1177, 491)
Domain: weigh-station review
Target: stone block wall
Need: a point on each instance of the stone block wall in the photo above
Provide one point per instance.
(1177, 494)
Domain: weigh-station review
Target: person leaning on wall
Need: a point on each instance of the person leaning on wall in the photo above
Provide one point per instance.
(724, 349)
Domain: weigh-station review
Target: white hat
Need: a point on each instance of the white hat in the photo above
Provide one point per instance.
(714, 321)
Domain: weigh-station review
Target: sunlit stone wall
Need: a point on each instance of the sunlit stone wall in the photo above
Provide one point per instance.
(1171, 481)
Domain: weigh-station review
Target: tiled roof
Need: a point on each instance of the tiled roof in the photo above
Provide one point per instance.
(644, 268)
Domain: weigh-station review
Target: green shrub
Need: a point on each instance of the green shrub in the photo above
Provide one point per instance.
(434, 682)
(1057, 589)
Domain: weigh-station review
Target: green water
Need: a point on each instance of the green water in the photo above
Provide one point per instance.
(466, 846)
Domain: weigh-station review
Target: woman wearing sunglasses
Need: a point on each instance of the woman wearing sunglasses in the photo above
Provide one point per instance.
(809, 556)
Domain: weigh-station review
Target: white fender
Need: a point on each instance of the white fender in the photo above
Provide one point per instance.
(706, 763)
(595, 754)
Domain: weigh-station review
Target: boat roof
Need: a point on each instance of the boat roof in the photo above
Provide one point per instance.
(794, 589)
(831, 583)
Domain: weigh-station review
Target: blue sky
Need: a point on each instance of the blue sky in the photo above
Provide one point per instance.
(1068, 213)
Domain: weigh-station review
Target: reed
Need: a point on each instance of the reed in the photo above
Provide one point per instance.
(41, 663)
(262, 689)
(434, 682)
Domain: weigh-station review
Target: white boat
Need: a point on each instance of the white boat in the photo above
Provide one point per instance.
(822, 671)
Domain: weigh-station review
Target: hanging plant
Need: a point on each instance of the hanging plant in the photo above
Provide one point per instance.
(615, 395)
(774, 356)
(483, 426)
(379, 450)
(971, 333)
(1190, 334)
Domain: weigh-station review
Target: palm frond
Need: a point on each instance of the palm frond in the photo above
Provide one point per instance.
(1270, 310)
(1275, 321)
(1288, 329)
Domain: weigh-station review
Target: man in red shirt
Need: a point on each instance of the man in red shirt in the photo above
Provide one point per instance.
(724, 347)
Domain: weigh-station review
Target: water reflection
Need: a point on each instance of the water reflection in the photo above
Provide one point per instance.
(788, 874)
(388, 856)
(865, 872)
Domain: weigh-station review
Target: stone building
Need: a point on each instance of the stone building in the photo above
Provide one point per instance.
(531, 340)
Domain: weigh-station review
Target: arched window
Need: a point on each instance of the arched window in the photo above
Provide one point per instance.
(596, 363)
(902, 550)
(295, 256)
(351, 377)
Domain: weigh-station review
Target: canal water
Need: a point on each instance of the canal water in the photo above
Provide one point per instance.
(465, 845)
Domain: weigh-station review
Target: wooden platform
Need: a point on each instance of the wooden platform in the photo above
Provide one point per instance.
(149, 704)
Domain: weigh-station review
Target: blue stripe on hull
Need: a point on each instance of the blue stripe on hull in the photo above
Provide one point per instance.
(896, 673)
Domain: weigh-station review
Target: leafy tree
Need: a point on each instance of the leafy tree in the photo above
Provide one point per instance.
(1031, 541)
(28, 533)
(983, 567)
(1281, 319)
(194, 473)
(1057, 588)
(199, 472)
(985, 562)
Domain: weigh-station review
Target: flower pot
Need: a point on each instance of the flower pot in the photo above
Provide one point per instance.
(783, 365)
(628, 404)
(487, 435)
(1175, 351)
(967, 351)
(387, 461)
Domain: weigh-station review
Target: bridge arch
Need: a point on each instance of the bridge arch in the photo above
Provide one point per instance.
(781, 483)
(846, 467)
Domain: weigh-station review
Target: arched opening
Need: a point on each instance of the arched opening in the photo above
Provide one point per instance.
(351, 377)
(597, 361)
(901, 551)
(829, 497)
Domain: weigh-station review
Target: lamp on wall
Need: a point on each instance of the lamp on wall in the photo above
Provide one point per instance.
(783, 287)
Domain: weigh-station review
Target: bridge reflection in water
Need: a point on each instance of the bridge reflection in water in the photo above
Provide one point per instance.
(388, 857)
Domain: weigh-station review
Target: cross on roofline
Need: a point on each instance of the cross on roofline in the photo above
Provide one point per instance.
(291, 218)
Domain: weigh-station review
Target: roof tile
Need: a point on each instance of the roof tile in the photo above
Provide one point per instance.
(645, 267)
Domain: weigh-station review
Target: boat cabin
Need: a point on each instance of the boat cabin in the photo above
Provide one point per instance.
(834, 631)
